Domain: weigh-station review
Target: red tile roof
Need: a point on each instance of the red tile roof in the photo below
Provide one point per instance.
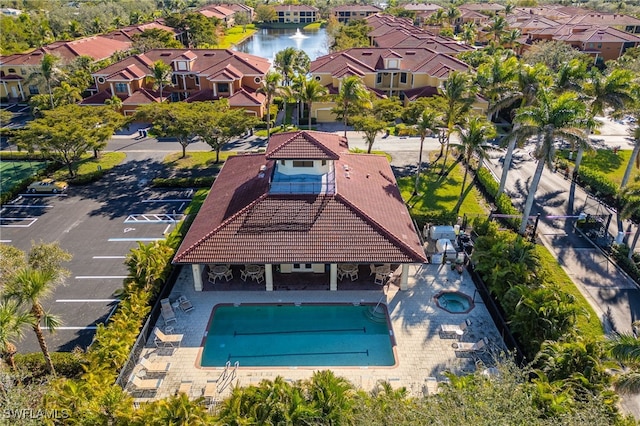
(241, 222)
(306, 145)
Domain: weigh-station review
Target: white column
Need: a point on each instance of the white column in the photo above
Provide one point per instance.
(6, 89)
(231, 89)
(404, 278)
(268, 277)
(24, 98)
(113, 91)
(333, 277)
(196, 271)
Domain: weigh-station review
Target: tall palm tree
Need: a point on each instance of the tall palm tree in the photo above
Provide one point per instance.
(427, 124)
(353, 94)
(625, 348)
(31, 286)
(66, 94)
(497, 76)
(497, 26)
(611, 90)
(530, 81)
(635, 135)
(310, 92)
(12, 322)
(551, 118)
(160, 76)
(114, 102)
(48, 71)
(286, 93)
(331, 395)
(457, 96)
(631, 195)
(473, 137)
(269, 87)
(291, 62)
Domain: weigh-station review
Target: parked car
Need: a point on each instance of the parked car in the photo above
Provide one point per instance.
(47, 185)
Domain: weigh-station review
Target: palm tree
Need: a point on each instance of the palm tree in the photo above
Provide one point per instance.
(12, 322)
(291, 62)
(635, 134)
(353, 94)
(66, 94)
(114, 102)
(179, 410)
(625, 348)
(473, 137)
(457, 95)
(269, 87)
(631, 195)
(552, 118)
(469, 33)
(286, 93)
(497, 76)
(331, 395)
(427, 124)
(48, 71)
(497, 26)
(612, 90)
(160, 76)
(310, 92)
(31, 286)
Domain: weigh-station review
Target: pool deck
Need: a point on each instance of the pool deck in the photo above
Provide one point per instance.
(422, 355)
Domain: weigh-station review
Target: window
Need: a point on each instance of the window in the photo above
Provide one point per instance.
(392, 63)
(223, 87)
(33, 90)
(282, 162)
(302, 163)
(121, 87)
(257, 80)
(23, 72)
(324, 162)
(174, 79)
(182, 65)
(12, 70)
(403, 77)
(378, 78)
(197, 80)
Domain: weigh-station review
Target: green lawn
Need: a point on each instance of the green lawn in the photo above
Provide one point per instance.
(607, 162)
(236, 35)
(14, 172)
(437, 195)
(89, 164)
(196, 160)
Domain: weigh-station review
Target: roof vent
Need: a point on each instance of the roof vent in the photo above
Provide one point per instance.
(346, 167)
(263, 168)
(367, 53)
(347, 175)
(165, 54)
(411, 52)
(209, 54)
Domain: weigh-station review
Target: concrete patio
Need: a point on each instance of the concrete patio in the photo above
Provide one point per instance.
(422, 355)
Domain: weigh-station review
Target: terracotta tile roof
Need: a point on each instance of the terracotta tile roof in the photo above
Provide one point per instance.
(594, 34)
(295, 7)
(603, 19)
(131, 72)
(245, 98)
(356, 8)
(97, 99)
(365, 221)
(422, 7)
(306, 145)
(420, 92)
(127, 33)
(141, 97)
(493, 7)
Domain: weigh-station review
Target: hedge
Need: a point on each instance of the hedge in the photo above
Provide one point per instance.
(503, 202)
(598, 184)
(66, 364)
(197, 182)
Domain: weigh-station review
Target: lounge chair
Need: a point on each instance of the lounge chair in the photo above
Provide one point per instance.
(185, 304)
(155, 366)
(167, 312)
(467, 348)
(146, 384)
(185, 387)
(454, 330)
(167, 340)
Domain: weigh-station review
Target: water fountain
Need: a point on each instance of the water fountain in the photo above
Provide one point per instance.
(298, 35)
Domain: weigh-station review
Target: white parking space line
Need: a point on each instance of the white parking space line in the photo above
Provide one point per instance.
(174, 200)
(9, 222)
(5, 241)
(43, 195)
(24, 206)
(86, 300)
(87, 327)
(109, 257)
(100, 277)
(134, 239)
(154, 218)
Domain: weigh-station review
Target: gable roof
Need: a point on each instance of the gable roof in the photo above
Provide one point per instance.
(307, 145)
(365, 221)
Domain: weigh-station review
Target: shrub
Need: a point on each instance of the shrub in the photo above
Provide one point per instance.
(487, 181)
(197, 182)
(599, 184)
(620, 254)
(66, 364)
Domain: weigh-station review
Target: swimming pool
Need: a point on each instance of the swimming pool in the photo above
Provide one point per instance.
(270, 335)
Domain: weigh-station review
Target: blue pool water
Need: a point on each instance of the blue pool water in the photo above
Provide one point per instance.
(288, 335)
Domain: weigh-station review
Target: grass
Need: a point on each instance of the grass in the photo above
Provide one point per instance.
(607, 162)
(587, 327)
(374, 152)
(15, 172)
(314, 26)
(90, 165)
(191, 211)
(438, 194)
(196, 160)
(236, 35)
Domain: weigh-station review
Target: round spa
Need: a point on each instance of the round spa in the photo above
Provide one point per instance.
(454, 302)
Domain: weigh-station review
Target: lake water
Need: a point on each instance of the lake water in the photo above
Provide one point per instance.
(266, 42)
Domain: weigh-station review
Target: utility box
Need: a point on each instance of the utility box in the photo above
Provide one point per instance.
(442, 232)
(444, 246)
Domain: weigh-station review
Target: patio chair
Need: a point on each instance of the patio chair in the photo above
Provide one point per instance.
(353, 275)
(185, 304)
(212, 277)
(454, 330)
(146, 384)
(154, 366)
(169, 316)
(185, 387)
(380, 279)
(372, 267)
(167, 340)
(228, 275)
(468, 348)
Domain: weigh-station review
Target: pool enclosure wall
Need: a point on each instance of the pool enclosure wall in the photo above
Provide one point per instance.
(197, 272)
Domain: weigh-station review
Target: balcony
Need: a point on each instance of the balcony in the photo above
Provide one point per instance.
(303, 184)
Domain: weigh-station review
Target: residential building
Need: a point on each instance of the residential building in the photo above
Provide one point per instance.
(196, 75)
(350, 12)
(423, 11)
(408, 73)
(305, 206)
(296, 13)
(220, 12)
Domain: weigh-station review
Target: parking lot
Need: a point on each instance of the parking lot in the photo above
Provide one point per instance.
(98, 224)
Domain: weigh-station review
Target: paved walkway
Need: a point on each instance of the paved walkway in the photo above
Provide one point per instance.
(415, 319)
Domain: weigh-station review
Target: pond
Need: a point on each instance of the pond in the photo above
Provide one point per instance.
(266, 42)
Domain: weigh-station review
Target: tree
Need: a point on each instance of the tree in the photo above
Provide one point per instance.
(473, 137)
(469, 33)
(47, 71)
(160, 76)
(266, 13)
(553, 54)
(635, 135)
(331, 395)
(427, 124)
(456, 98)
(66, 94)
(611, 90)
(495, 77)
(631, 207)
(114, 103)
(174, 120)
(269, 88)
(549, 120)
(291, 62)
(12, 323)
(353, 95)
(625, 348)
(66, 133)
(218, 124)
(155, 38)
(497, 26)
(370, 126)
(201, 31)
(354, 34)
(310, 92)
